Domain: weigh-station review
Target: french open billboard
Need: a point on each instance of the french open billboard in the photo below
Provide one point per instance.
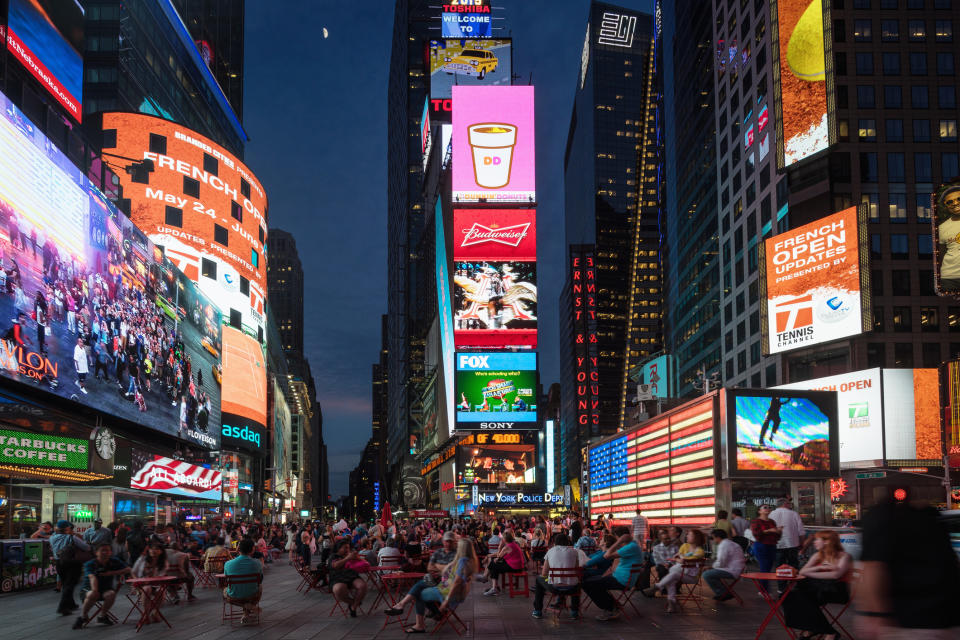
(816, 283)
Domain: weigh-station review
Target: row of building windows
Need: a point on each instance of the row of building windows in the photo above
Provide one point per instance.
(916, 30)
(890, 63)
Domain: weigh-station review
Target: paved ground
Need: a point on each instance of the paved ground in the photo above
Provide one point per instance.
(292, 615)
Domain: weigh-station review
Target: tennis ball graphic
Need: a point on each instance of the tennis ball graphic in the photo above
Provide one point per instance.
(805, 48)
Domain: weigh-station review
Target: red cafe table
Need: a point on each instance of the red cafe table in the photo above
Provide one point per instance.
(150, 595)
(394, 584)
(759, 579)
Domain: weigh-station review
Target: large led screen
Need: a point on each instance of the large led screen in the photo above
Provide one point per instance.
(802, 79)
(946, 233)
(495, 234)
(201, 204)
(92, 310)
(816, 283)
(495, 303)
(151, 472)
(46, 37)
(445, 318)
(496, 391)
(772, 432)
(496, 463)
(244, 402)
(465, 62)
(493, 145)
(466, 19)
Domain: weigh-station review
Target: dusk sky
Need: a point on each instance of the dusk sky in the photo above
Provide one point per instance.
(316, 110)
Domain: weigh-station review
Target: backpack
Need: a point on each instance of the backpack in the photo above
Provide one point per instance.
(74, 554)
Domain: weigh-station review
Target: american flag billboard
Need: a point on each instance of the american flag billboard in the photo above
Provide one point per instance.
(166, 475)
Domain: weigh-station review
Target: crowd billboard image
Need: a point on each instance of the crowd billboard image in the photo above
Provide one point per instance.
(946, 234)
(496, 391)
(466, 19)
(496, 463)
(495, 303)
(201, 204)
(92, 311)
(151, 472)
(816, 283)
(493, 145)
(777, 432)
(802, 80)
(46, 37)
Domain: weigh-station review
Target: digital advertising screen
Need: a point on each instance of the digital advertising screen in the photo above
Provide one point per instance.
(911, 414)
(426, 140)
(816, 281)
(946, 234)
(496, 463)
(93, 312)
(466, 19)
(201, 204)
(802, 81)
(495, 303)
(468, 62)
(495, 234)
(493, 145)
(771, 432)
(445, 319)
(496, 391)
(43, 450)
(244, 398)
(151, 472)
(46, 37)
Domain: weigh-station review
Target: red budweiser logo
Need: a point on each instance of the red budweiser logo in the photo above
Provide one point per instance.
(511, 236)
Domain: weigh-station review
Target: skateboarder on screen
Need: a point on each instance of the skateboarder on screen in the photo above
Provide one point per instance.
(773, 418)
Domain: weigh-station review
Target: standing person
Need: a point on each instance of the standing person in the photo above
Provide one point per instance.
(728, 563)
(97, 534)
(724, 524)
(639, 526)
(628, 553)
(99, 576)
(766, 533)
(43, 532)
(291, 544)
(791, 535)
(81, 365)
(136, 541)
(739, 523)
(69, 552)
(772, 420)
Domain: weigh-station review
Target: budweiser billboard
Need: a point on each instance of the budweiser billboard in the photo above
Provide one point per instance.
(497, 234)
(166, 475)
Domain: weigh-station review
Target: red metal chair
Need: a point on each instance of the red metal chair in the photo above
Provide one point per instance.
(687, 590)
(626, 595)
(564, 575)
(729, 588)
(450, 618)
(852, 580)
(230, 604)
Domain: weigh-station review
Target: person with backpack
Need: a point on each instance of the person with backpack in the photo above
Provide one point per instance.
(136, 541)
(69, 552)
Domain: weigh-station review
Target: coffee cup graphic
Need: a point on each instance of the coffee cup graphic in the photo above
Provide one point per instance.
(492, 144)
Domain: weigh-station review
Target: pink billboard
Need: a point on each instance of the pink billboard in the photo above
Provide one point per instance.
(493, 144)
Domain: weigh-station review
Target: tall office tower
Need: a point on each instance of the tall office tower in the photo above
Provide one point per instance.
(140, 57)
(752, 196)
(217, 30)
(285, 288)
(692, 264)
(612, 180)
(406, 219)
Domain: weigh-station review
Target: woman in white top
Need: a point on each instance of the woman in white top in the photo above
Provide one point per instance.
(291, 545)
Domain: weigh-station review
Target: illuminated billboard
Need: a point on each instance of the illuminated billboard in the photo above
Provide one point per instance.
(780, 432)
(426, 140)
(495, 303)
(466, 19)
(493, 145)
(884, 413)
(46, 37)
(495, 234)
(816, 282)
(465, 62)
(93, 311)
(496, 391)
(946, 233)
(800, 81)
(497, 463)
(445, 318)
(151, 472)
(244, 398)
(661, 374)
(202, 205)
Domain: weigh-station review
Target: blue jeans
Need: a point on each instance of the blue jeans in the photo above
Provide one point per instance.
(417, 588)
(765, 555)
(427, 595)
(712, 578)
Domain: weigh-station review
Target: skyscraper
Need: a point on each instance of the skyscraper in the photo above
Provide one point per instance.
(285, 288)
(613, 169)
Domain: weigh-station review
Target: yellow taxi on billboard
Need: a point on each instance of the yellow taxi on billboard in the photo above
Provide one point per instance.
(471, 62)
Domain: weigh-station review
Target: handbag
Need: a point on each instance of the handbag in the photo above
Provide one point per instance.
(72, 553)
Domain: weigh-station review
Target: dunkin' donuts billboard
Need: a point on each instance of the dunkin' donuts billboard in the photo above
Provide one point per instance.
(493, 144)
(816, 283)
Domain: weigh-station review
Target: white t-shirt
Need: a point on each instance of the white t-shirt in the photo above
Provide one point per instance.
(389, 555)
(563, 558)
(949, 236)
(80, 359)
(792, 527)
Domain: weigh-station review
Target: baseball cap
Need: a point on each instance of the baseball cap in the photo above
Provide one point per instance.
(63, 524)
(449, 535)
(99, 521)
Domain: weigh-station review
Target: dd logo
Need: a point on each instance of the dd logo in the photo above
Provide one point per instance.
(488, 160)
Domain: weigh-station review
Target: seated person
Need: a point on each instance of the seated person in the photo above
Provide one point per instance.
(178, 564)
(452, 589)
(826, 574)
(664, 552)
(214, 557)
(246, 595)
(389, 555)
(628, 553)
(99, 581)
(597, 564)
(560, 556)
(728, 563)
(586, 543)
(508, 559)
(691, 550)
(344, 576)
(152, 563)
(438, 562)
(538, 546)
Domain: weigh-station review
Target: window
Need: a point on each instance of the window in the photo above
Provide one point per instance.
(944, 30)
(926, 283)
(244, 188)
(929, 319)
(898, 208)
(862, 30)
(924, 245)
(866, 97)
(236, 211)
(742, 360)
(210, 164)
(254, 258)
(947, 97)
(173, 216)
(876, 354)
(918, 63)
(236, 319)
(921, 131)
(931, 354)
(191, 187)
(903, 354)
(892, 97)
(865, 64)
(158, 144)
(944, 63)
(729, 368)
(894, 130)
(895, 168)
(901, 320)
(260, 234)
(917, 30)
(876, 282)
(891, 64)
(948, 130)
(923, 167)
(872, 201)
(208, 268)
(900, 282)
(953, 319)
(868, 167)
(867, 130)
(875, 250)
(889, 30)
(899, 246)
(755, 356)
(244, 286)
(949, 168)
(771, 375)
(878, 319)
(840, 64)
(924, 210)
(220, 235)
(919, 97)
